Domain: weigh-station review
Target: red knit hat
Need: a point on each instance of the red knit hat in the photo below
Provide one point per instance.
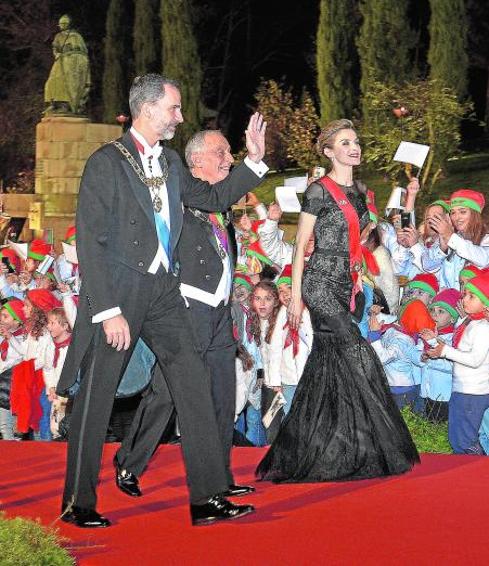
(242, 279)
(427, 282)
(480, 287)
(15, 308)
(38, 250)
(447, 299)
(43, 299)
(416, 317)
(70, 235)
(470, 271)
(13, 258)
(285, 278)
(468, 199)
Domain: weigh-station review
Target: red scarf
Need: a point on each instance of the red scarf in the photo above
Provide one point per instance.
(57, 348)
(450, 329)
(292, 338)
(459, 331)
(5, 343)
(353, 223)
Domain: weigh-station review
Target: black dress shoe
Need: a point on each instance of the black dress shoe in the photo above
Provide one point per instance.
(85, 518)
(238, 490)
(126, 481)
(218, 508)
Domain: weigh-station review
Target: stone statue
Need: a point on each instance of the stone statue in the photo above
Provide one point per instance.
(66, 90)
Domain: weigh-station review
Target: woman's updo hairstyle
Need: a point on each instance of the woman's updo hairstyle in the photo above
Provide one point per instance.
(328, 133)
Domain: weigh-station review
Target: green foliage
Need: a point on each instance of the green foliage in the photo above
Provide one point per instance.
(276, 104)
(143, 37)
(114, 91)
(302, 132)
(447, 54)
(428, 437)
(383, 44)
(434, 116)
(180, 61)
(335, 57)
(28, 543)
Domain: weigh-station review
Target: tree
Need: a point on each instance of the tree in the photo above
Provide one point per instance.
(433, 117)
(26, 27)
(180, 61)
(144, 41)
(302, 133)
(276, 103)
(447, 53)
(383, 44)
(114, 87)
(335, 58)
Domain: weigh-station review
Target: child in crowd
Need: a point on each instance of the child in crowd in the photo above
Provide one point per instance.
(422, 287)
(265, 305)
(436, 375)
(462, 238)
(470, 354)
(395, 344)
(12, 319)
(60, 331)
(249, 366)
(289, 349)
(28, 377)
(36, 253)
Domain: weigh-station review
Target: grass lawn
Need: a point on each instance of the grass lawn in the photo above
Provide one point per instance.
(466, 171)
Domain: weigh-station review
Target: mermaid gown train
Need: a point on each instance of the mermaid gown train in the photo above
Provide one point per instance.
(343, 423)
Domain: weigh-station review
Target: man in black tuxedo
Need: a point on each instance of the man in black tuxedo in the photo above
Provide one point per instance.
(207, 251)
(129, 220)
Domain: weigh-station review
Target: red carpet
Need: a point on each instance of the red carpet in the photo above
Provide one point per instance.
(437, 514)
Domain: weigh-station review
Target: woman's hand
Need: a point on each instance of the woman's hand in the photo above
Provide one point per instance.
(408, 237)
(294, 313)
(442, 225)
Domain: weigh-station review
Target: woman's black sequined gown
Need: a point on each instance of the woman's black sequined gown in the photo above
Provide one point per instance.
(343, 423)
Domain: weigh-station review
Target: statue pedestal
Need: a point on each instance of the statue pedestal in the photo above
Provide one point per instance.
(63, 145)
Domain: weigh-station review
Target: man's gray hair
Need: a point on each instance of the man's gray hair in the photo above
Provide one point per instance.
(147, 88)
(196, 144)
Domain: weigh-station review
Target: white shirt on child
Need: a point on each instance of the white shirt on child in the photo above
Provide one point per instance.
(283, 367)
(471, 359)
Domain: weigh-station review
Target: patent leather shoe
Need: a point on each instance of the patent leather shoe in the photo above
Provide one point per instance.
(85, 518)
(218, 508)
(238, 490)
(126, 481)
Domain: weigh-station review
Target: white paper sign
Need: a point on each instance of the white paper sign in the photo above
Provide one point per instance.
(70, 253)
(414, 153)
(395, 200)
(19, 249)
(300, 183)
(287, 199)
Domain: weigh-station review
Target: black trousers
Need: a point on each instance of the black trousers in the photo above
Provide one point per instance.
(165, 327)
(212, 330)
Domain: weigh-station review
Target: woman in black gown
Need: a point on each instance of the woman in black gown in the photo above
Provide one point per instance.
(343, 423)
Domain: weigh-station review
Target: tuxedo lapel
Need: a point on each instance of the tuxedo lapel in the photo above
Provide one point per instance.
(139, 189)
